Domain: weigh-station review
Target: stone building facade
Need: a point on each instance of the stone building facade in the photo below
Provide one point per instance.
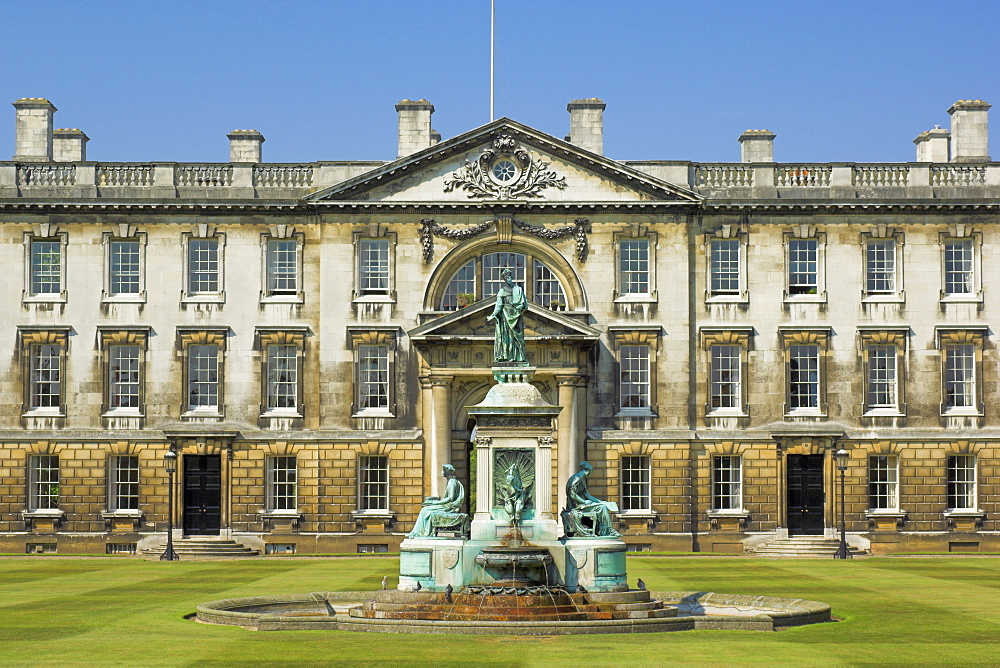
(307, 337)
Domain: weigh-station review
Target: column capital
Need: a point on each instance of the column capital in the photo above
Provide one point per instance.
(441, 381)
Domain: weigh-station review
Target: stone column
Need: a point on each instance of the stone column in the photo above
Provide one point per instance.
(580, 422)
(484, 472)
(568, 448)
(427, 425)
(543, 497)
(33, 130)
(441, 449)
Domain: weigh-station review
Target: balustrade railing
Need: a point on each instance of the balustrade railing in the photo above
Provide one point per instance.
(802, 176)
(723, 176)
(46, 175)
(880, 176)
(205, 176)
(124, 175)
(958, 175)
(283, 176)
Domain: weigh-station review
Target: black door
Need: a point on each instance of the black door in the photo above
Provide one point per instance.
(202, 495)
(805, 495)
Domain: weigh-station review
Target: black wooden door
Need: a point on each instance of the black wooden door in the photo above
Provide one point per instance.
(202, 495)
(805, 495)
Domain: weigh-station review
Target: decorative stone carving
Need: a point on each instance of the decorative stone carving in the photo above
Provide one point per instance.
(514, 481)
(580, 229)
(504, 171)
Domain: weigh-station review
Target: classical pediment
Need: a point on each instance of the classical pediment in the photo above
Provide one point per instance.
(469, 324)
(504, 161)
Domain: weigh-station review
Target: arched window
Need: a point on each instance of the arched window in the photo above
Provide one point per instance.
(479, 278)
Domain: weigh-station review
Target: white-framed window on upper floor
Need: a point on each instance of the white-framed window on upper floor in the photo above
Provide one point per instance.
(805, 263)
(883, 262)
(884, 352)
(204, 265)
(123, 482)
(373, 483)
(883, 483)
(961, 482)
(374, 275)
(124, 356)
(961, 370)
(43, 482)
(727, 483)
(203, 353)
(635, 264)
(727, 265)
(636, 349)
(282, 269)
(374, 370)
(634, 475)
(124, 264)
(282, 365)
(43, 353)
(805, 353)
(45, 264)
(282, 483)
(726, 354)
(961, 265)
(481, 277)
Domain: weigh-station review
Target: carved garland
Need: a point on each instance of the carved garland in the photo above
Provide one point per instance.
(580, 229)
(531, 176)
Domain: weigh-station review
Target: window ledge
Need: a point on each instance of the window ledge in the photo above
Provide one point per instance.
(125, 299)
(894, 298)
(374, 412)
(374, 299)
(373, 514)
(636, 514)
(962, 412)
(818, 298)
(962, 298)
(635, 412)
(727, 413)
(742, 298)
(282, 413)
(131, 514)
(43, 513)
(53, 298)
(213, 298)
(646, 298)
(44, 412)
(195, 414)
(805, 412)
(283, 299)
(123, 413)
(880, 512)
(281, 514)
(737, 512)
(883, 412)
(965, 512)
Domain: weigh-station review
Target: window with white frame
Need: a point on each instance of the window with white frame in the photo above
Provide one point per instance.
(43, 482)
(803, 377)
(724, 267)
(373, 483)
(203, 377)
(883, 486)
(124, 376)
(123, 267)
(45, 377)
(959, 267)
(282, 370)
(880, 267)
(727, 482)
(204, 266)
(282, 267)
(633, 267)
(123, 482)
(961, 482)
(725, 393)
(960, 377)
(634, 473)
(803, 266)
(882, 378)
(634, 378)
(45, 273)
(373, 266)
(282, 483)
(373, 377)
(463, 289)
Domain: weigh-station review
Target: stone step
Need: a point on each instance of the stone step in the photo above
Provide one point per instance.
(203, 548)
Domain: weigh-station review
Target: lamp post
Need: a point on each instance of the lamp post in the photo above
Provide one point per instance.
(841, 457)
(170, 463)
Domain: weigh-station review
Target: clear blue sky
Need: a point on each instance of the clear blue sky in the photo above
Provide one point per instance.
(836, 80)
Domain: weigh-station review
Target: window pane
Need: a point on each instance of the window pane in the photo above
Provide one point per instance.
(881, 266)
(633, 266)
(373, 483)
(725, 392)
(727, 483)
(635, 483)
(124, 268)
(282, 267)
(548, 291)
(882, 490)
(43, 476)
(962, 482)
(282, 483)
(123, 378)
(882, 377)
(203, 266)
(374, 266)
(493, 266)
(958, 267)
(725, 267)
(803, 266)
(45, 387)
(46, 267)
(373, 376)
(634, 385)
(803, 377)
(282, 376)
(125, 482)
(959, 376)
(203, 376)
(461, 290)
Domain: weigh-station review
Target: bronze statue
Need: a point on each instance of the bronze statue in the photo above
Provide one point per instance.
(444, 512)
(586, 516)
(508, 316)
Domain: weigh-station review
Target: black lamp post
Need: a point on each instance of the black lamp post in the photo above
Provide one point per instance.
(170, 463)
(841, 457)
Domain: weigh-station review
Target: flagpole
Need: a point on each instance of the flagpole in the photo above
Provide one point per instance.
(492, 30)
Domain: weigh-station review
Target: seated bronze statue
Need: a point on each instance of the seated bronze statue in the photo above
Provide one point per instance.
(444, 512)
(585, 515)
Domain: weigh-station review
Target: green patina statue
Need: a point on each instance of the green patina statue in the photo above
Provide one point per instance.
(586, 516)
(444, 512)
(508, 316)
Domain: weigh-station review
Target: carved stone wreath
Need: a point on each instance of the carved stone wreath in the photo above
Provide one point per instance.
(504, 171)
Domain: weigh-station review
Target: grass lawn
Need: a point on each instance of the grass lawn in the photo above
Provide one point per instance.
(106, 611)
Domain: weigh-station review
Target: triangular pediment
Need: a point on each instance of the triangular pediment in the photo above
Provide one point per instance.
(469, 324)
(504, 161)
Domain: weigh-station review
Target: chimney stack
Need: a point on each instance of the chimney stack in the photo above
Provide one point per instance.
(415, 133)
(932, 145)
(586, 124)
(33, 130)
(757, 146)
(245, 145)
(970, 131)
(69, 145)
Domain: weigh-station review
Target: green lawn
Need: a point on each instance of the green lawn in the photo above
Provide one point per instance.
(922, 611)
